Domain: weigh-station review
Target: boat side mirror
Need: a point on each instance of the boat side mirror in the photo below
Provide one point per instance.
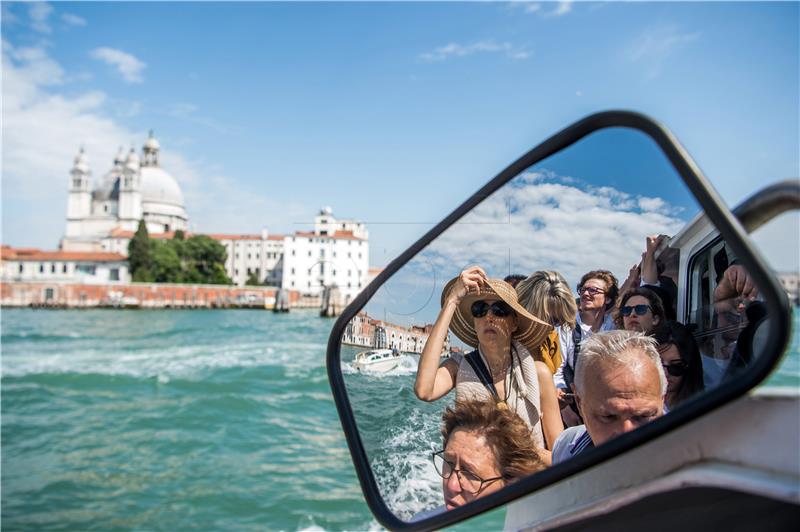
(584, 200)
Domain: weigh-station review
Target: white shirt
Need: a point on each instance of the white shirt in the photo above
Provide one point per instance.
(568, 347)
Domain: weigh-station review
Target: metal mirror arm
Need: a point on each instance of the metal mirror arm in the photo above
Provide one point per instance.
(768, 203)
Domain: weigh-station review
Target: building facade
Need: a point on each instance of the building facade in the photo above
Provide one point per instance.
(133, 189)
(102, 220)
(364, 331)
(85, 267)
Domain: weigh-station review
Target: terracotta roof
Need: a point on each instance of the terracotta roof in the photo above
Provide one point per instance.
(339, 235)
(345, 235)
(234, 237)
(374, 271)
(121, 233)
(23, 254)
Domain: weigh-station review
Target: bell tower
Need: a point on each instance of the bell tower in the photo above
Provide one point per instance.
(130, 194)
(79, 202)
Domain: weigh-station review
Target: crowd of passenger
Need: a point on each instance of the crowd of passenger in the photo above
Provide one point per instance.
(552, 375)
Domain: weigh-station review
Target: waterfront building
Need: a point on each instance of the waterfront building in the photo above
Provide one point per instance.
(364, 331)
(790, 281)
(104, 218)
(248, 255)
(335, 253)
(85, 267)
(133, 189)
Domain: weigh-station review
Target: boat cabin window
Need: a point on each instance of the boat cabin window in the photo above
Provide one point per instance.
(716, 315)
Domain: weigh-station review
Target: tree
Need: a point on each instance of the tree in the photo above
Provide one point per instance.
(253, 280)
(139, 253)
(165, 265)
(204, 259)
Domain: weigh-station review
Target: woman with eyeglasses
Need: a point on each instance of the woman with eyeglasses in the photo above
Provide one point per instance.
(640, 309)
(484, 313)
(484, 449)
(680, 357)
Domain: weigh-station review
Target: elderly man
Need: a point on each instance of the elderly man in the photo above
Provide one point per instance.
(619, 386)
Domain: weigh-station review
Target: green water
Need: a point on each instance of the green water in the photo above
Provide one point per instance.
(209, 420)
(174, 420)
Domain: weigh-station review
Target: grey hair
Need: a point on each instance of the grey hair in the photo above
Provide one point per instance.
(621, 347)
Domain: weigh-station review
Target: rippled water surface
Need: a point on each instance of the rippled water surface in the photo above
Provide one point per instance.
(173, 420)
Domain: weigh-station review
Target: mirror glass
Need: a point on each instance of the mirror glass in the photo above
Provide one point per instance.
(588, 207)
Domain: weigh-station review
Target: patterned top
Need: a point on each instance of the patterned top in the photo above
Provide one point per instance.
(523, 390)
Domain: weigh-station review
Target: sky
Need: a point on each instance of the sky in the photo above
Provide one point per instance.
(561, 214)
(390, 113)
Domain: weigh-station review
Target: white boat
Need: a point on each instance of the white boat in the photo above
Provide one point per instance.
(378, 360)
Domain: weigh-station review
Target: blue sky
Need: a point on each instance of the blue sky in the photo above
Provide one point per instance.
(390, 113)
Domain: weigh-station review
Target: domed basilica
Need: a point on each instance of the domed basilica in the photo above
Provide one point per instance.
(134, 189)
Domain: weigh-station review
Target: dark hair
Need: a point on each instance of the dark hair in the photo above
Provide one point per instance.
(675, 333)
(505, 433)
(656, 306)
(612, 290)
(514, 279)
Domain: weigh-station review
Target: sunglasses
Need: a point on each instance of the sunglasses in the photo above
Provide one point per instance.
(640, 310)
(591, 290)
(498, 308)
(676, 369)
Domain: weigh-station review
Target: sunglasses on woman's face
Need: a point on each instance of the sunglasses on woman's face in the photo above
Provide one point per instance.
(676, 369)
(640, 310)
(498, 308)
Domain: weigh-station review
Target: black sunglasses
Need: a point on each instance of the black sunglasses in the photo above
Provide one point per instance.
(498, 308)
(676, 369)
(640, 310)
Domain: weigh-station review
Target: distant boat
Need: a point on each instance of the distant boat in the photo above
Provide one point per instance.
(378, 360)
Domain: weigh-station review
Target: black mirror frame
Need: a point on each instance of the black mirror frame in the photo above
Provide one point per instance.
(716, 211)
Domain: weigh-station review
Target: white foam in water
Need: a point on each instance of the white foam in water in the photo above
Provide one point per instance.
(175, 362)
(407, 478)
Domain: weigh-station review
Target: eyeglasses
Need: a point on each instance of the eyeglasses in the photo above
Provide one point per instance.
(676, 369)
(591, 290)
(640, 310)
(469, 481)
(498, 308)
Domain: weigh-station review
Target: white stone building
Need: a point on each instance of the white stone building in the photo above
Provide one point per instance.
(105, 217)
(259, 255)
(335, 253)
(133, 189)
(84, 267)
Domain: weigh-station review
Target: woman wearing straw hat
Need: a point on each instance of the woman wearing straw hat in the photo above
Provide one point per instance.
(484, 313)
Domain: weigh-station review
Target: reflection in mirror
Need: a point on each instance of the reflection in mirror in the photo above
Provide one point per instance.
(604, 236)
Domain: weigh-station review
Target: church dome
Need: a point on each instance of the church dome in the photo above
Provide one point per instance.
(158, 186)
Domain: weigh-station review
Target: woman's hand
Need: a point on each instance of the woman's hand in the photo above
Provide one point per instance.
(470, 279)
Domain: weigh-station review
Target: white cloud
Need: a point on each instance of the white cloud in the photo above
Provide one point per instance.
(39, 12)
(536, 225)
(73, 20)
(653, 46)
(562, 8)
(43, 130)
(450, 50)
(544, 9)
(539, 221)
(129, 66)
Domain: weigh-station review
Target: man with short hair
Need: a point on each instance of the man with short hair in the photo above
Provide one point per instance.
(619, 386)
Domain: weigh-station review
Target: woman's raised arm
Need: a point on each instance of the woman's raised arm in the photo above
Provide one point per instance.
(434, 381)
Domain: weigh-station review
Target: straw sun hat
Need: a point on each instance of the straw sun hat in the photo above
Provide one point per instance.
(531, 331)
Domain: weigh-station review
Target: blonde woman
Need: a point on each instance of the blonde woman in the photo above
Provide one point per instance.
(546, 294)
